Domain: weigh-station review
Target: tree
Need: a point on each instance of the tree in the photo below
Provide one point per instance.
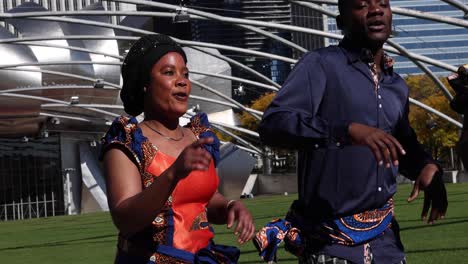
(435, 133)
(260, 104)
(274, 154)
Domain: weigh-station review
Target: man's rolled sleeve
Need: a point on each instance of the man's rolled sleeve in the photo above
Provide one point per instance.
(292, 118)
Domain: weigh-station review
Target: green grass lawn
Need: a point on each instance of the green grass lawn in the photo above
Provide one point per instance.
(91, 238)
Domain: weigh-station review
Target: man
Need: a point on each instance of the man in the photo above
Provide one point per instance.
(459, 82)
(346, 112)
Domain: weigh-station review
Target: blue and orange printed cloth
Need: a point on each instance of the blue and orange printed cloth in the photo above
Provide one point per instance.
(294, 232)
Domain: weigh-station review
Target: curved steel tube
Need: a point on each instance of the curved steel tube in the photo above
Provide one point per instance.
(183, 42)
(250, 110)
(240, 65)
(434, 111)
(143, 13)
(206, 87)
(26, 89)
(71, 48)
(92, 37)
(66, 117)
(46, 99)
(232, 78)
(243, 141)
(2, 66)
(240, 129)
(76, 76)
(458, 5)
(425, 69)
(219, 56)
(244, 148)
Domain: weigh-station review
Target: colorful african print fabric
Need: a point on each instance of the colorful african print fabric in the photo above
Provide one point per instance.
(359, 228)
(270, 237)
(350, 231)
(180, 233)
(325, 259)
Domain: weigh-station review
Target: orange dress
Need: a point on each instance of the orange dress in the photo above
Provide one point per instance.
(189, 200)
(181, 230)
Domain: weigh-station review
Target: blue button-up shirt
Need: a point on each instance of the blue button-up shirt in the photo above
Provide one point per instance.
(327, 90)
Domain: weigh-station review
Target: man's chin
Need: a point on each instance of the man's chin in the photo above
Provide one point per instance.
(370, 40)
(378, 38)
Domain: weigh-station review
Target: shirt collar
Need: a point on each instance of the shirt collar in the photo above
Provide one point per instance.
(356, 53)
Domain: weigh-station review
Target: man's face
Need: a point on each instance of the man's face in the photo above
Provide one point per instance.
(367, 20)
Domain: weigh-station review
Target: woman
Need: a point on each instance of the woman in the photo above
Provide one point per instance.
(161, 178)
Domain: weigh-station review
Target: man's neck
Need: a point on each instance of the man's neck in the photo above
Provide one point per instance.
(378, 56)
(375, 48)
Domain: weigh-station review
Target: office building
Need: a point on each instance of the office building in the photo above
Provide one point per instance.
(305, 17)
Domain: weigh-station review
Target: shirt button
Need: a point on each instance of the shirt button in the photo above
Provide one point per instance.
(316, 146)
(338, 144)
(380, 97)
(380, 105)
(379, 189)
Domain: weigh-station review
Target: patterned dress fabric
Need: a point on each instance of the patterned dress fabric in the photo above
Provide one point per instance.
(180, 233)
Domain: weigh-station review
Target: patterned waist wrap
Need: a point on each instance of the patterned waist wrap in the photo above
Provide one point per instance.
(295, 230)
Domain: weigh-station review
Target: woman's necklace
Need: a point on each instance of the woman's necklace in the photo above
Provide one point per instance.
(164, 136)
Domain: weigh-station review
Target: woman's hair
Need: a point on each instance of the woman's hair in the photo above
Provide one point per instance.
(137, 65)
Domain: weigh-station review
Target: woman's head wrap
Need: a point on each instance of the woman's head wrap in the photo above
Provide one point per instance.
(136, 68)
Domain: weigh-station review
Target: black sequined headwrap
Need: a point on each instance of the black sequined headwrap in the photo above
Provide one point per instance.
(137, 66)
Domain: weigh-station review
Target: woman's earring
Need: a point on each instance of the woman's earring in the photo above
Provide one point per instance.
(144, 89)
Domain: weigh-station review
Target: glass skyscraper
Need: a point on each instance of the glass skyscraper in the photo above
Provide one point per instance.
(436, 40)
(306, 17)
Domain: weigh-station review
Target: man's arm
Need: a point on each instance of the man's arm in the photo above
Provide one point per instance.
(427, 174)
(458, 103)
(416, 158)
(292, 118)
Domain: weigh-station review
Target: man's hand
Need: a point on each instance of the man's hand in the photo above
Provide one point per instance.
(435, 195)
(384, 146)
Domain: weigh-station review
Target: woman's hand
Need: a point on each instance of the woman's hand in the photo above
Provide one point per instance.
(238, 213)
(193, 157)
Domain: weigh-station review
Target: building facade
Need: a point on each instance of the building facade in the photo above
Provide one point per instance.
(305, 17)
(67, 5)
(447, 43)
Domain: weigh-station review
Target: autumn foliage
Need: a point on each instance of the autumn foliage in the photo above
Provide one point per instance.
(435, 133)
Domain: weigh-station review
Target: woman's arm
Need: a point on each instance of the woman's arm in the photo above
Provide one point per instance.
(134, 208)
(222, 211)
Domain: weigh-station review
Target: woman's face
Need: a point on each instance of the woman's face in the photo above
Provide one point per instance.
(169, 86)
